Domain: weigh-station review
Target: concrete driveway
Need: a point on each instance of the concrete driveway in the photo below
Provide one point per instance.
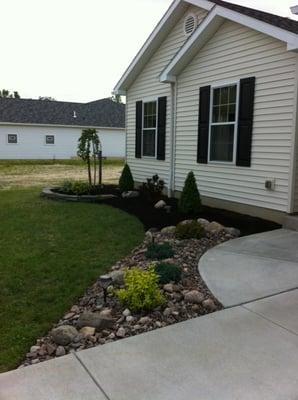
(252, 267)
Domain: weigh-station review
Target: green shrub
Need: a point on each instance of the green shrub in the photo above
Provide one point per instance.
(191, 230)
(141, 291)
(75, 188)
(126, 181)
(168, 272)
(190, 200)
(157, 251)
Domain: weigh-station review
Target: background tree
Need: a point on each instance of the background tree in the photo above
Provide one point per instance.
(116, 98)
(7, 94)
(48, 98)
(88, 150)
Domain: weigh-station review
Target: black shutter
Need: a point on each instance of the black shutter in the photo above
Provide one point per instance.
(161, 128)
(203, 128)
(245, 121)
(139, 123)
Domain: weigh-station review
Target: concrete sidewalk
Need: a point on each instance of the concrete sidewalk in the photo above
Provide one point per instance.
(245, 352)
(252, 267)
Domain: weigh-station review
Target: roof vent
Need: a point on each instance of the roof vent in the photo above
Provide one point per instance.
(294, 10)
(74, 114)
(190, 24)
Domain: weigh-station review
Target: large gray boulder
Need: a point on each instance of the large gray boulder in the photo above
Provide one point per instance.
(95, 320)
(64, 334)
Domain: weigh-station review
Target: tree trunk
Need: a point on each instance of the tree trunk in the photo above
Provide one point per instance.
(89, 171)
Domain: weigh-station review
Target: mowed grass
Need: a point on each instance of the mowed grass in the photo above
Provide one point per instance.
(50, 252)
(28, 173)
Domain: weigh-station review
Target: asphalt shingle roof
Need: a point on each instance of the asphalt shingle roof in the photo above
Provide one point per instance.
(99, 113)
(281, 22)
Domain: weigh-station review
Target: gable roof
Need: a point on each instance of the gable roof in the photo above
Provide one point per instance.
(281, 22)
(100, 113)
(206, 30)
(285, 28)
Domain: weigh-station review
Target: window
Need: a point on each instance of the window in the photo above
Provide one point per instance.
(12, 138)
(222, 133)
(149, 129)
(50, 139)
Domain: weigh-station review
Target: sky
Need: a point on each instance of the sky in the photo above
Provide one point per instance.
(77, 50)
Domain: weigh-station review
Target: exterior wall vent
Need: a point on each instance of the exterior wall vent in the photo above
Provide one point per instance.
(190, 24)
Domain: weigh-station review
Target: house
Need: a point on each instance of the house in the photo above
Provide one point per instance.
(44, 129)
(214, 90)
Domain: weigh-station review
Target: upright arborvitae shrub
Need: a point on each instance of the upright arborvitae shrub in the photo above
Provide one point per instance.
(190, 200)
(126, 181)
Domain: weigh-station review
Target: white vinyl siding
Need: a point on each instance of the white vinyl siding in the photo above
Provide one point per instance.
(147, 85)
(32, 142)
(236, 52)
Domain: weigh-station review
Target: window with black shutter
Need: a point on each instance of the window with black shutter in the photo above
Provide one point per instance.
(226, 123)
(151, 128)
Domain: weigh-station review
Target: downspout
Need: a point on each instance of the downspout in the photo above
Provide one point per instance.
(171, 189)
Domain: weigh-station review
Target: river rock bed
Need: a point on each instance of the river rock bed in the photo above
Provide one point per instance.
(92, 322)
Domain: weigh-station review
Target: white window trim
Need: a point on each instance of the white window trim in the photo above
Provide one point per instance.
(12, 144)
(149, 100)
(217, 86)
(45, 140)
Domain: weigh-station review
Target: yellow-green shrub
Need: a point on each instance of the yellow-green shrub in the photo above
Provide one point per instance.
(141, 291)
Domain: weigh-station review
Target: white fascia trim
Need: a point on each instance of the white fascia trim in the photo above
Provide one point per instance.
(216, 14)
(62, 126)
(120, 86)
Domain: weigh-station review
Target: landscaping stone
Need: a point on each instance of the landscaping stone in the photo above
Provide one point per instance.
(194, 297)
(233, 231)
(34, 349)
(87, 331)
(100, 323)
(202, 221)
(95, 320)
(214, 227)
(209, 304)
(60, 351)
(168, 230)
(117, 277)
(126, 312)
(64, 334)
(131, 194)
(121, 333)
(160, 204)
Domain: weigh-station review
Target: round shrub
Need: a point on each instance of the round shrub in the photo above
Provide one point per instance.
(157, 251)
(168, 272)
(191, 230)
(75, 188)
(190, 200)
(141, 291)
(126, 182)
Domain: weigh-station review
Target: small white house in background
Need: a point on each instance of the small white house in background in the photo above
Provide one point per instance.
(214, 90)
(43, 129)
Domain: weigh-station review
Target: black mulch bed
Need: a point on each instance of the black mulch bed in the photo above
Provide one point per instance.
(154, 218)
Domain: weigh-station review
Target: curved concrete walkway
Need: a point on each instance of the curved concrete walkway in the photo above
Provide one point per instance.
(252, 267)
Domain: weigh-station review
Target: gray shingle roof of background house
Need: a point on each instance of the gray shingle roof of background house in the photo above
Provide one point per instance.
(99, 113)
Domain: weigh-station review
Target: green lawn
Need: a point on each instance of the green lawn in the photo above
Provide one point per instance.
(49, 253)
